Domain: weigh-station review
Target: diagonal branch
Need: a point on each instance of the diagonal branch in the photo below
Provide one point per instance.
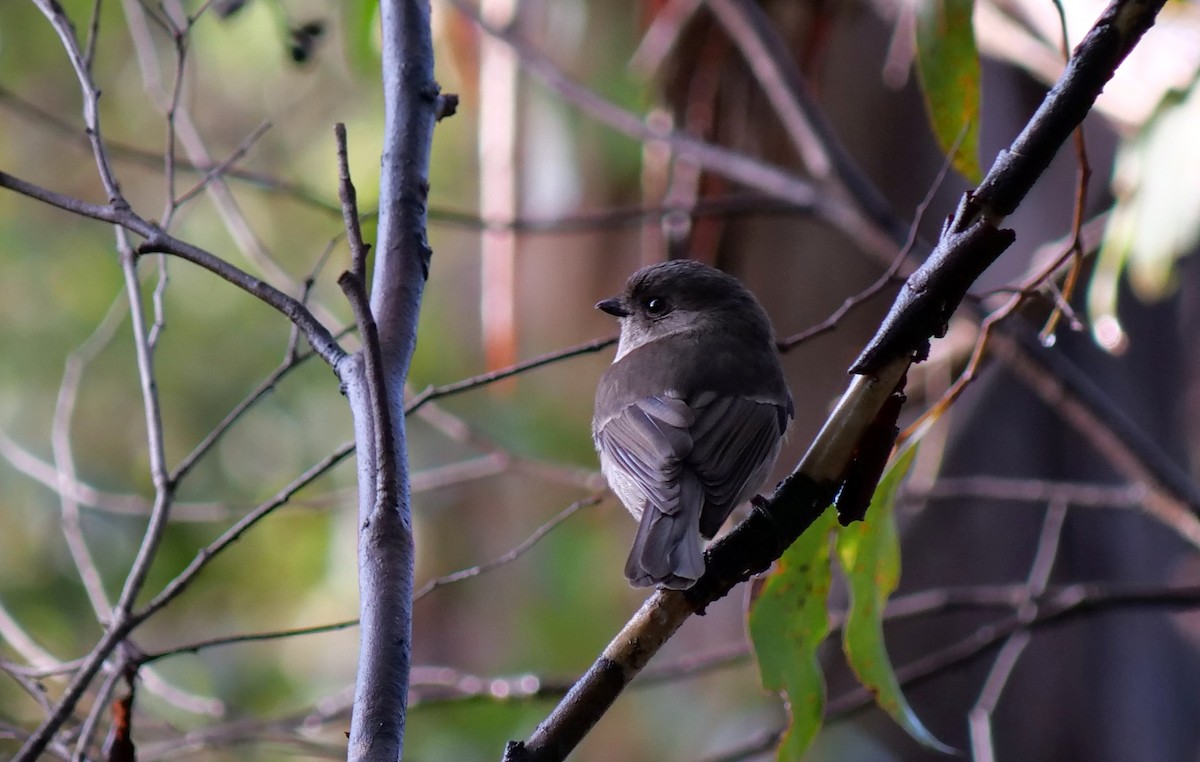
(970, 242)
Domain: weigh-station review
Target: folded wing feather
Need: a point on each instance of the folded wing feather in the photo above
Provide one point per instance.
(682, 468)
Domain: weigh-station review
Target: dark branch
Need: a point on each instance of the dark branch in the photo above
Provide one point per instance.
(970, 242)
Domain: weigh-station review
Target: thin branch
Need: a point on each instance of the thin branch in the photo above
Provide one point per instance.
(164, 488)
(980, 715)
(291, 361)
(120, 625)
(733, 204)
(158, 304)
(159, 241)
(181, 581)
(1057, 606)
(89, 48)
(188, 135)
(23, 644)
(99, 707)
(443, 685)
(170, 154)
(222, 168)
(510, 556)
(1031, 285)
(435, 392)
(91, 97)
(1172, 497)
(1075, 494)
(349, 198)
(64, 458)
(750, 29)
(743, 169)
(118, 151)
(1083, 176)
(386, 498)
(831, 322)
(293, 730)
(120, 504)
(256, 637)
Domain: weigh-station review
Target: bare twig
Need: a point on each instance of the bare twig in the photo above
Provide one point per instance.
(1084, 175)
(385, 496)
(751, 172)
(125, 620)
(1031, 285)
(98, 709)
(831, 322)
(118, 151)
(91, 96)
(292, 360)
(1172, 498)
(64, 458)
(87, 495)
(119, 625)
(24, 645)
(222, 168)
(171, 203)
(1057, 606)
(751, 31)
(184, 130)
(164, 488)
(512, 555)
(159, 241)
(230, 640)
(474, 382)
(349, 198)
(980, 716)
(1075, 494)
(180, 582)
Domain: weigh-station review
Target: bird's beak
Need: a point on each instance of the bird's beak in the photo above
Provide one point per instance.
(613, 307)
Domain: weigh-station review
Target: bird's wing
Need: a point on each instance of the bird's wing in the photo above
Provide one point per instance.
(735, 441)
(643, 448)
(684, 465)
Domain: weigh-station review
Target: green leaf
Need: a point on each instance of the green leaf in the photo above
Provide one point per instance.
(788, 622)
(870, 554)
(948, 66)
(1156, 219)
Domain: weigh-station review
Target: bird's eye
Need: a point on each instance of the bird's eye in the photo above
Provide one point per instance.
(656, 306)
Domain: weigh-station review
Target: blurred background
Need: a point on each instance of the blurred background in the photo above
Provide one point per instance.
(537, 210)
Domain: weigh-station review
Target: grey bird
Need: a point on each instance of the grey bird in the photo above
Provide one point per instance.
(690, 416)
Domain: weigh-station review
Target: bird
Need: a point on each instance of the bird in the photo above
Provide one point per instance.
(690, 416)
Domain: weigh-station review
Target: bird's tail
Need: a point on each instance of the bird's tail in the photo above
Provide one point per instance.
(666, 550)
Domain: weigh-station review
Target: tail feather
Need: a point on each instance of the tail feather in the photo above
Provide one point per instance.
(666, 550)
